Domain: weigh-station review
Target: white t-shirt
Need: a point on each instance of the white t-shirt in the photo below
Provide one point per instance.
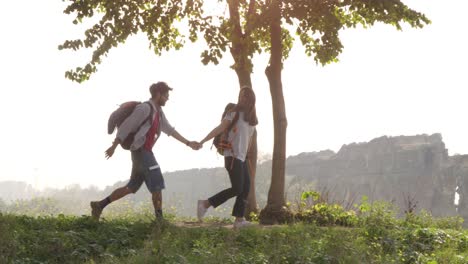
(239, 136)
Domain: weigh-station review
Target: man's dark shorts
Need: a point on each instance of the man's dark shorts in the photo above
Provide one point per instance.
(146, 169)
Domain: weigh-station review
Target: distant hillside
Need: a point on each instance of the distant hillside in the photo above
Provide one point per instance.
(14, 190)
(408, 170)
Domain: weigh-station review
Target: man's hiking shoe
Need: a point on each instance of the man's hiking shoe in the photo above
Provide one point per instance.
(241, 224)
(201, 210)
(96, 210)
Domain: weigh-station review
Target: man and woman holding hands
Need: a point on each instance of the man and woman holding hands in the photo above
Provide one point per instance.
(240, 121)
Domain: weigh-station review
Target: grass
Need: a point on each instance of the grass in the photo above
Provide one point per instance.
(319, 233)
(66, 239)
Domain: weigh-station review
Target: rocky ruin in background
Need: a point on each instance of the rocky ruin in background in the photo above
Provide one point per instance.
(407, 170)
(404, 169)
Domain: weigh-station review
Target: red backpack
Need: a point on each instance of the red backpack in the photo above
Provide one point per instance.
(119, 115)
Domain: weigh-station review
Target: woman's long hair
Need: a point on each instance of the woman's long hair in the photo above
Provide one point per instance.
(250, 113)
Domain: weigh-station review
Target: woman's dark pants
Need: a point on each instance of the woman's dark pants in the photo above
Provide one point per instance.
(240, 186)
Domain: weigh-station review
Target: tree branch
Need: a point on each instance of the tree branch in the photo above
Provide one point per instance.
(250, 16)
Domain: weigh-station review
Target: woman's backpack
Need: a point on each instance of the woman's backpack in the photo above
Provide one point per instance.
(221, 141)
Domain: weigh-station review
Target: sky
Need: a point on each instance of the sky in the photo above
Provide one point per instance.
(387, 82)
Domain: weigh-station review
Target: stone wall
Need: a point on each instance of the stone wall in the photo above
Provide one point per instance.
(404, 170)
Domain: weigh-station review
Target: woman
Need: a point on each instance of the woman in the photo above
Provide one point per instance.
(244, 119)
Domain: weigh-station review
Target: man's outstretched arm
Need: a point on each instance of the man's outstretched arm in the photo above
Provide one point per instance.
(110, 151)
(194, 145)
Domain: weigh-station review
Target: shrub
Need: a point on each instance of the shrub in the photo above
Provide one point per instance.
(424, 219)
(8, 245)
(313, 209)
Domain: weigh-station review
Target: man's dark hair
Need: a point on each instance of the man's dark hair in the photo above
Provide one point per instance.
(159, 87)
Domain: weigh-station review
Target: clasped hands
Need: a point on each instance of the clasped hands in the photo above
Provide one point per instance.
(195, 145)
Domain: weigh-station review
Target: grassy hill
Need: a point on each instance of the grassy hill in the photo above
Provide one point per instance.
(318, 233)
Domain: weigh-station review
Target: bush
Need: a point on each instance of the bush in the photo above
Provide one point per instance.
(8, 245)
(424, 219)
(313, 209)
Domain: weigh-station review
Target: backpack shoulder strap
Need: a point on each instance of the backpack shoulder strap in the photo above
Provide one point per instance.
(151, 112)
(149, 116)
(234, 121)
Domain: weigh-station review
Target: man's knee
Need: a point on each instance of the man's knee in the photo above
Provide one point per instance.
(156, 195)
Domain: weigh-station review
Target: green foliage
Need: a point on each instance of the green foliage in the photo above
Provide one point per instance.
(314, 209)
(8, 245)
(380, 215)
(122, 18)
(35, 207)
(416, 238)
(292, 244)
(424, 220)
(310, 194)
(65, 239)
(244, 32)
(324, 214)
(377, 236)
(323, 233)
(320, 21)
(2, 205)
(364, 207)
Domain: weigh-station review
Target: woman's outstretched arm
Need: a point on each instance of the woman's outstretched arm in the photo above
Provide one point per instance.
(217, 130)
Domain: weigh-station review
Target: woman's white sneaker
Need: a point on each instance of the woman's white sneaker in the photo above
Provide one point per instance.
(201, 210)
(241, 224)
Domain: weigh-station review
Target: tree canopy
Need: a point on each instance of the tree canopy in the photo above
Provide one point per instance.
(168, 23)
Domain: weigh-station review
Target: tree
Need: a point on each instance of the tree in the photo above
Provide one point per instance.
(317, 23)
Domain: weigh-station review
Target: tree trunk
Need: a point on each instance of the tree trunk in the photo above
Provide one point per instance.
(243, 67)
(275, 211)
(252, 206)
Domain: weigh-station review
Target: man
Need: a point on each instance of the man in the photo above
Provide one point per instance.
(144, 165)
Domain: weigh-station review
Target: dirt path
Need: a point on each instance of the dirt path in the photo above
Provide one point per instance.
(196, 224)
